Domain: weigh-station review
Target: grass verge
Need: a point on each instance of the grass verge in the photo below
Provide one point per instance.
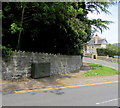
(99, 70)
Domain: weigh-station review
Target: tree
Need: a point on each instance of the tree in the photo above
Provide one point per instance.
(52, 27)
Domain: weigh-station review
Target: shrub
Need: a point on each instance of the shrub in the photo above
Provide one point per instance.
(6, 52)
(110, 50)
(102, 51)
(113, 50)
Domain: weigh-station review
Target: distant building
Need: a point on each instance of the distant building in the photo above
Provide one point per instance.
(93, 44)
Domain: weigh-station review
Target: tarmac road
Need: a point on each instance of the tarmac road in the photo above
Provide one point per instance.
(105, 63)
(91, 95)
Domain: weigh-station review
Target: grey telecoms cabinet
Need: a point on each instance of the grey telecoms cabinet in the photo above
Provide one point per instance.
(39, 70)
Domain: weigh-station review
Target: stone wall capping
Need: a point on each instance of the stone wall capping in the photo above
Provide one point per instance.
(36, 53)
(15, 51)
(46, 54)
(24, 52)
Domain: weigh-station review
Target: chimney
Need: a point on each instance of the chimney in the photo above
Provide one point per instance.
(96, 39)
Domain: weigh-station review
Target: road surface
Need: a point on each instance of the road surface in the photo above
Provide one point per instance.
(105, 63)
(91, 95)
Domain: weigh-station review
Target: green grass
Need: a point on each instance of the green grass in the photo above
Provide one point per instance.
(99, 70)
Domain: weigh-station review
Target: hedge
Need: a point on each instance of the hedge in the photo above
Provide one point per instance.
(111, 50)
(102, 52)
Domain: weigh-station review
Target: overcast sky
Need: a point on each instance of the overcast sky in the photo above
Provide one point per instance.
(112, 34)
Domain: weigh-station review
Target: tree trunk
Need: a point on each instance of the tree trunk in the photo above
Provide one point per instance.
(21, 24)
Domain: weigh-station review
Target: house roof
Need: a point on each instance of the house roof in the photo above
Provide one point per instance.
(100, 41)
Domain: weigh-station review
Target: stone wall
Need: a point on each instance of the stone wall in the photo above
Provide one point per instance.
(109, 59)
(19, 65)
(105, 58)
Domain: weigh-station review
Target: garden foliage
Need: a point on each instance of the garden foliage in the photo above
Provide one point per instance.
(51, 27)
(110, 50)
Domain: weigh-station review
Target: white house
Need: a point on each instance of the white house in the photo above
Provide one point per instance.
(95, 42)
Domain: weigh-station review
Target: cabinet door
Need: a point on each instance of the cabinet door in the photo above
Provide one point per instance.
(40, 70)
